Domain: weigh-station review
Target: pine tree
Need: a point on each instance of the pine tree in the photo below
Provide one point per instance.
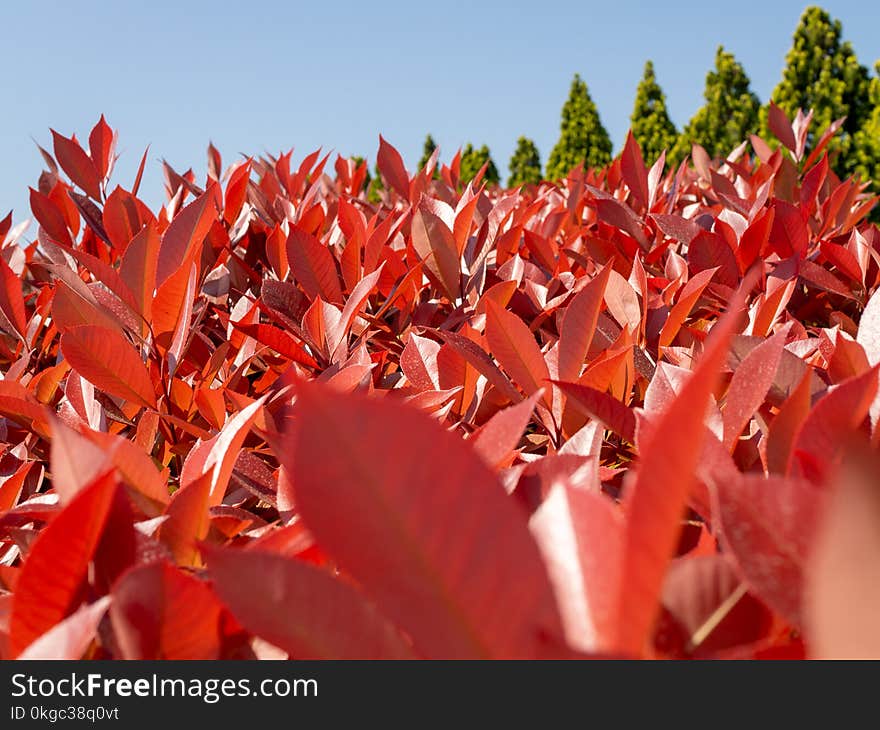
(729, 115)
(473, 159)
(651, 125)
(866, 142)
(427, 151)
(375, 188)
(525, 164)
(582, 137)
(822, 73)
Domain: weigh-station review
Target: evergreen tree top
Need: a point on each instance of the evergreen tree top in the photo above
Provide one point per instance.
(427, 150)
(822, 73)
(525, 164)
(650, 122)
(730, 114)
(582, 137)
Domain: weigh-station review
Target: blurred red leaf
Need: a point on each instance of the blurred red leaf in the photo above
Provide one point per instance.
(301, 609)
(160, 612)
(52, 579)
(443, 585)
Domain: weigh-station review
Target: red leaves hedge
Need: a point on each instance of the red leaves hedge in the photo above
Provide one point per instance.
(600, 418)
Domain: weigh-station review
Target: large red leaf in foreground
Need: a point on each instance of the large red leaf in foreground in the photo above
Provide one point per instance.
(52, 578)
(160, 612)
(843, 576)
(656, 495)
(429, 532)
(301, 609)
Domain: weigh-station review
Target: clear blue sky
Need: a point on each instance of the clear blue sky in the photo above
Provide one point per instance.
(270, 75)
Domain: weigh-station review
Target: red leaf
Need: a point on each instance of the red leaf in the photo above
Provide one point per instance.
(843, 584)
(278, 340)
(390, 164)
(753, 241)
(460, 583)
(77, 165)
(49, 217)
(781, 127)
(216, 457)
(160, 612)
(749, 386)
(301, 609)
(107, 360)
(655, 496)
(768, 524)
(188, 520)
(500, 435)
(579, 325)
(102, 144)
(123, 217)
(869, 329)
(50, 586)
(11, 299)
(632, 166)
(784, 428)
(75, 462)
(608, 410)
(836, 415)
(185, 232)
(70, 638)
(313, 266)
(789, 234)
(515, 347)
(580, 535)
(709, 251)
(435, 245)
(688, 297)
(419, 362)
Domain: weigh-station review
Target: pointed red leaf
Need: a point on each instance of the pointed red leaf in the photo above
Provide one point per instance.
(579, 325)
(390, 164)
(843, 575)
(430, 535)
(70, 638)
(160, 612)
(605, 408)
(515, 347)
(302, 609)
(313, 266)
(77, 165)
(50, 586)
(655, 496)
(768, 525)
(185, 232)
(496, 439)
(109, 361)
(102, 145)
(632, 166)
(781, 127)
(749, 386)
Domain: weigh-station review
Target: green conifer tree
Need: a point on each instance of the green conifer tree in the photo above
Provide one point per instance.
(729, 115)
(866, 142)
(473, 159)
(822, 73)
(375, 188)
(427, 151)
(582, 137)
(650, 122)
(525, 164)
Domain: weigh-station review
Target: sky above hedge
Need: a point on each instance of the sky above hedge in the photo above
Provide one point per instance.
(272, 75)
